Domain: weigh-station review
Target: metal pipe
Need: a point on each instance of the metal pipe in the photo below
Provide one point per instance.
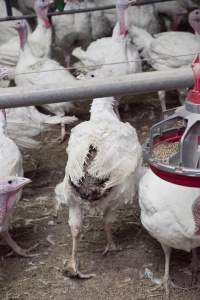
(94, 88)
(77, 11)
(8, 8)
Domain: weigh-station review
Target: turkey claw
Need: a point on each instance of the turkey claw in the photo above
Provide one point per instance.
(71, 271)
(25, 252)
(111, 248)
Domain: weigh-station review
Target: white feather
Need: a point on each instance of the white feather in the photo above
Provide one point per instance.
(111, 56)
(10, 161)
(118, 158)
(166, 212)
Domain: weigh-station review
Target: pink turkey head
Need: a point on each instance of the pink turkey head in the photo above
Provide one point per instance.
(22, 29)
(194, 20)
(9, 186)
(12, 184)
(41, 9)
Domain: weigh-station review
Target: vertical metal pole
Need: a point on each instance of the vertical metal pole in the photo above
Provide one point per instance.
(8, 8)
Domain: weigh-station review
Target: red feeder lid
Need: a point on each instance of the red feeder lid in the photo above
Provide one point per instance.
(177, 178)
(175, 175)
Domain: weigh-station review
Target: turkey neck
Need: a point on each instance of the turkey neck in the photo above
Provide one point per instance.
(43, 19)
(103, 109)
(23, 35)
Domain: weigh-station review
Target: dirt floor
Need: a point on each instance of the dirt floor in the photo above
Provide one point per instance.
(121, 275)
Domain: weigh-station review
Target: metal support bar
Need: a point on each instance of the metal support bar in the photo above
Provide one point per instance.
(94, 88)
(77, 11)
(8, 8)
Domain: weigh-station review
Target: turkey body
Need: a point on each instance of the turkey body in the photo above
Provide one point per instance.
(32, 71)
(10, 162)
(26, 6)
(104, 158)
(169, 215)
(110, 56)
(116, 171)
(144, 17)
(168, 49)
(9, 41)
(71, 31)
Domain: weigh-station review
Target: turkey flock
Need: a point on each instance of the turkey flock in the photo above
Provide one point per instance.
(105, 168)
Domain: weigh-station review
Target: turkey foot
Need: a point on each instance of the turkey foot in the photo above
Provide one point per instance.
(71, 270)
(165, 284)
(111, 248)
(16, 248)
(63, 133)
(62, 136)
(108, 231)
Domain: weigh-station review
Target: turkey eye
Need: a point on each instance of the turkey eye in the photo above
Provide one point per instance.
(10, 181)
(92, 75)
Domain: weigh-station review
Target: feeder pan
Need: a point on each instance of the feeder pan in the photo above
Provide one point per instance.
(173, 148)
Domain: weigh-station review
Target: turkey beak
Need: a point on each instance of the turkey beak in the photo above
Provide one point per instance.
(23, 182)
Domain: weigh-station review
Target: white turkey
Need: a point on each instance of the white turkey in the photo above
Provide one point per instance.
(11, 159)
(104, 157)
(173, 13)
(142, 16)
(26, 6)
(71, 30)
(111, 55)
(171, 214)
(40, 39)
(33, 70)
(11, 183)
(101, 24)
(171, 49)
(21, 123)
(110, 14)
(7, 31)
(24, 123)
(75, 30)
(10, 187)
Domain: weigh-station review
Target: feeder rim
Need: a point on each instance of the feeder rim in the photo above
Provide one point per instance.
(178, 170)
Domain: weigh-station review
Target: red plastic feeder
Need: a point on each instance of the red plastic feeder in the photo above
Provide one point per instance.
(173, 148)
